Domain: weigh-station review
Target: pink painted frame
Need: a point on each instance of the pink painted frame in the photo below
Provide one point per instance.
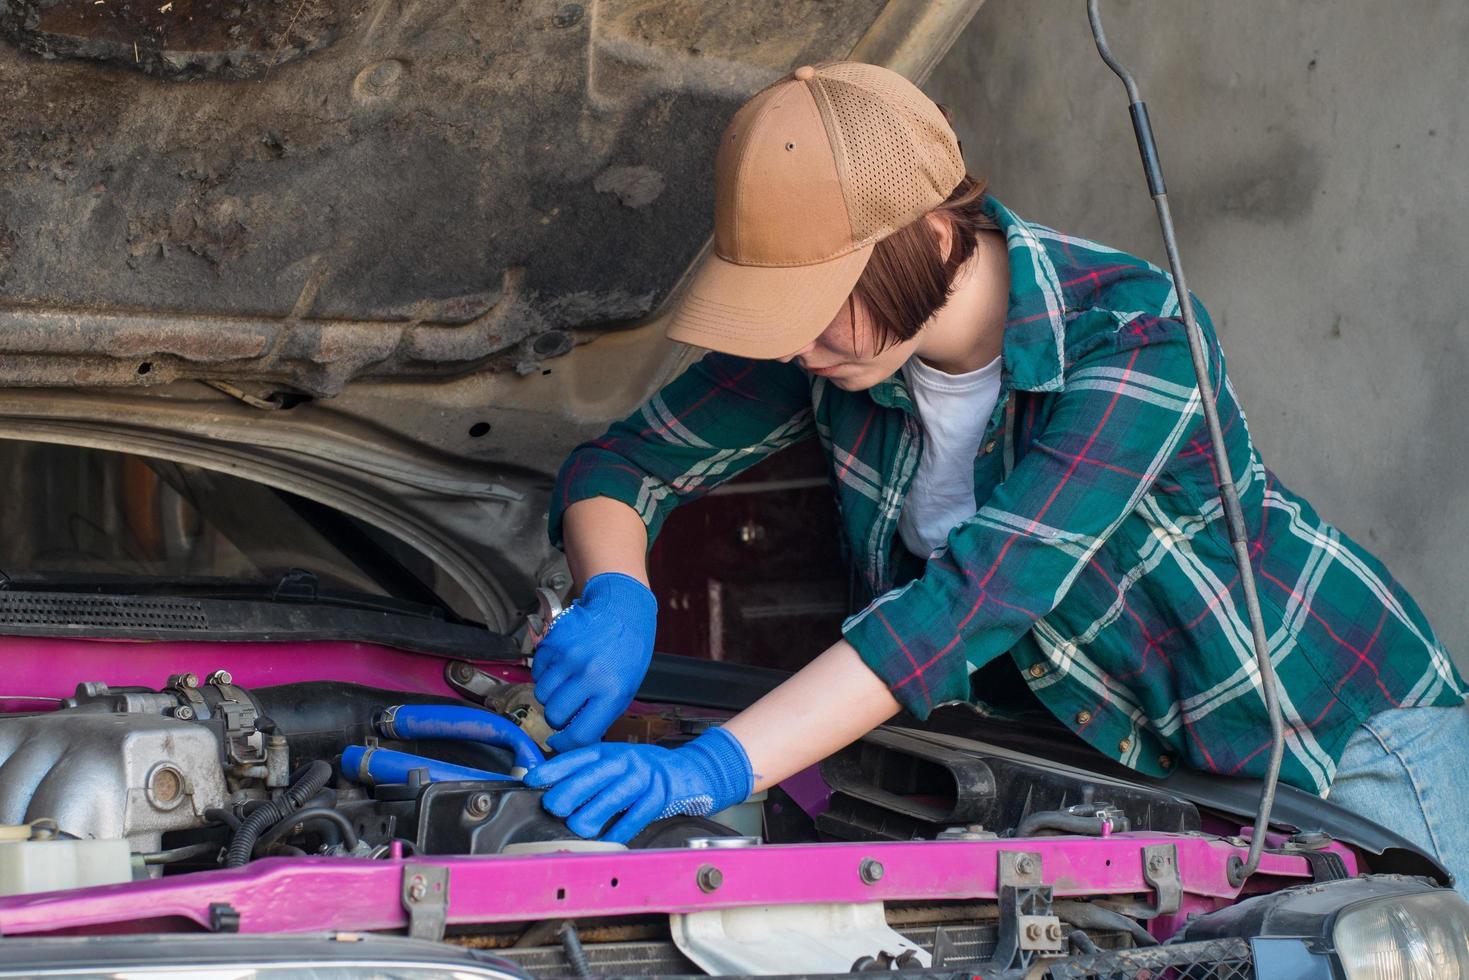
(315, 894)
(278, 895)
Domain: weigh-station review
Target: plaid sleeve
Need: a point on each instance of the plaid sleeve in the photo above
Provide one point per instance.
(718, 418)
(1121, 416)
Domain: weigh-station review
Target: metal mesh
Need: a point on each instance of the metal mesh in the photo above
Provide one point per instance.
(1222, 959)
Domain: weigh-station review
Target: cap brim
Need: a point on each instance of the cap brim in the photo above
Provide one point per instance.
(764, 311)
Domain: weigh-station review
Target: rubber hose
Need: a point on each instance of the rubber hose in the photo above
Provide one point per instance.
(349, 833)
(221, 815)
(1085, 915)
(1060, 821)
(1083, 942)
(575, 955)
(377, 766)
(181, 853)
(460, 723)
(304, 787)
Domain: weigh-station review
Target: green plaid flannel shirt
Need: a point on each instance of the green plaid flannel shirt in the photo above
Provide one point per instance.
(1097, 558)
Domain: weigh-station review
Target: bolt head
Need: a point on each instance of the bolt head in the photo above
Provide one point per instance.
(870, 871)
(184, 713)
(1053, 932)
(710, 878)
(221, 677)
(417, 888)
(478, 805)
(1033, 932)
(1025, 865)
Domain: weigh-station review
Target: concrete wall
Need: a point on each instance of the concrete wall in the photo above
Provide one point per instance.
(1317, 156)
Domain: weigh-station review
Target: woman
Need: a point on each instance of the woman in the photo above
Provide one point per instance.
(1025, 482)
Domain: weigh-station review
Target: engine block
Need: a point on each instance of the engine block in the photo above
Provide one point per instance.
(105, 775)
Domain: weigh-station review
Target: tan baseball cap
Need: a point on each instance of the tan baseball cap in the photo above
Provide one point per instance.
(810, 174)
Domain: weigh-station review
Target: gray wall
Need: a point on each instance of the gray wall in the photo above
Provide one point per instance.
(1317, 156)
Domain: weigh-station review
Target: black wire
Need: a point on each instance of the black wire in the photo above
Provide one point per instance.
(282, 829)
(575, 955)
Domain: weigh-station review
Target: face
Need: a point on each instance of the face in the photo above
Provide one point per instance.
(846, 351)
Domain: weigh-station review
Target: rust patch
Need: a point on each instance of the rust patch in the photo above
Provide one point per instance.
(177, 38)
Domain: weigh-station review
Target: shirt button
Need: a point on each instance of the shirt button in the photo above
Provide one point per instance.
(1165, 761)
(1083, 717)
(1037, 670)
(989, 447)
(1124, 745)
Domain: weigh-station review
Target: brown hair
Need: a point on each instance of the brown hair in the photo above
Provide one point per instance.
(908, 279)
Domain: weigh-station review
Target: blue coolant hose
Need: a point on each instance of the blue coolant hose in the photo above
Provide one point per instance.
(462, 724)
(376, 766)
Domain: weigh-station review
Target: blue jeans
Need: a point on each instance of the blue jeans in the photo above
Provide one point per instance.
(1408, 769)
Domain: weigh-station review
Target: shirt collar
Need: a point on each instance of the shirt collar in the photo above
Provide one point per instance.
(1035, 321)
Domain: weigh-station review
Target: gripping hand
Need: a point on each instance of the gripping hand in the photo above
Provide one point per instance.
(591, 662)
(590, 786)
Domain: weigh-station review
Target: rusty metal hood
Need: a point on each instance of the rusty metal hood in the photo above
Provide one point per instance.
(436, 233)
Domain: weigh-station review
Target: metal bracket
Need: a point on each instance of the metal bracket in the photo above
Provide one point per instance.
(470, 681)
(426, 900)
(1026, 926)
(1160, 869)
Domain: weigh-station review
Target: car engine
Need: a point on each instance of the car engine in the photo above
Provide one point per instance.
(204, 773)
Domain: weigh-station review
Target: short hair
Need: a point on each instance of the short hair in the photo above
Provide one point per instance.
(908, 279)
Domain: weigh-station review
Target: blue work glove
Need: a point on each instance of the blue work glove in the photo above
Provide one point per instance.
(592, 785)
(590, 664)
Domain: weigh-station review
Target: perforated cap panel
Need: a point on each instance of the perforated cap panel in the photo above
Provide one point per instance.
(897, 156)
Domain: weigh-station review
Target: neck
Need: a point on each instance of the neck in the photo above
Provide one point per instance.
(968, 330)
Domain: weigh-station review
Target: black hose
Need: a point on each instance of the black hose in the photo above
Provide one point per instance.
(575, 955)
(303, 788)
(349, 833)
(1083, 942)
(221, 815)
(1085, 915)
(1061, 822)
(181, 853)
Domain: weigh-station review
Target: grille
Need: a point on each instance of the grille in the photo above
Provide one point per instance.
(1221, 959)
(969, 946)
(635, 959)
(101, 612)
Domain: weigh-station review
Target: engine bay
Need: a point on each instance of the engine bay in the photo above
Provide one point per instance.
(204, 773)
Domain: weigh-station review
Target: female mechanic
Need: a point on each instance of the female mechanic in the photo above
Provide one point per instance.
(1024, 479)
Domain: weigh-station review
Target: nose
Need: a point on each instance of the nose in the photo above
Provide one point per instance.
(795, 354)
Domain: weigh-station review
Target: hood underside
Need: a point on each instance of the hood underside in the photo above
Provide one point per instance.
(309, 192)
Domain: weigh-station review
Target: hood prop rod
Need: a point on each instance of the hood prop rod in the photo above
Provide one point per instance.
(1228, 493)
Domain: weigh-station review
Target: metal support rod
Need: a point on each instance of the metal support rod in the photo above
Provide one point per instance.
(1228, 493)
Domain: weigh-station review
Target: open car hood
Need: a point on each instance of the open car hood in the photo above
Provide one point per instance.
(396, 258)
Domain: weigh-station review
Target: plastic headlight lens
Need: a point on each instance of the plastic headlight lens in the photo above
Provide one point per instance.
(1414, 937)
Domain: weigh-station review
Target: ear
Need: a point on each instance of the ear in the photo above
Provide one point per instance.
(943, 230)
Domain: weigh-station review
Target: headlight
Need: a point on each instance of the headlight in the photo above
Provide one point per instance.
(1410, 937)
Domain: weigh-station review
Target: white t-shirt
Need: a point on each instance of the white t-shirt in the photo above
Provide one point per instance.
(955, 409)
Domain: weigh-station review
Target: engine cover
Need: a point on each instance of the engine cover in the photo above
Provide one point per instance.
(99, 775)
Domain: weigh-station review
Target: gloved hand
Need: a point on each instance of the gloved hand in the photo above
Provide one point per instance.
(591, 662)
(592, 785)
